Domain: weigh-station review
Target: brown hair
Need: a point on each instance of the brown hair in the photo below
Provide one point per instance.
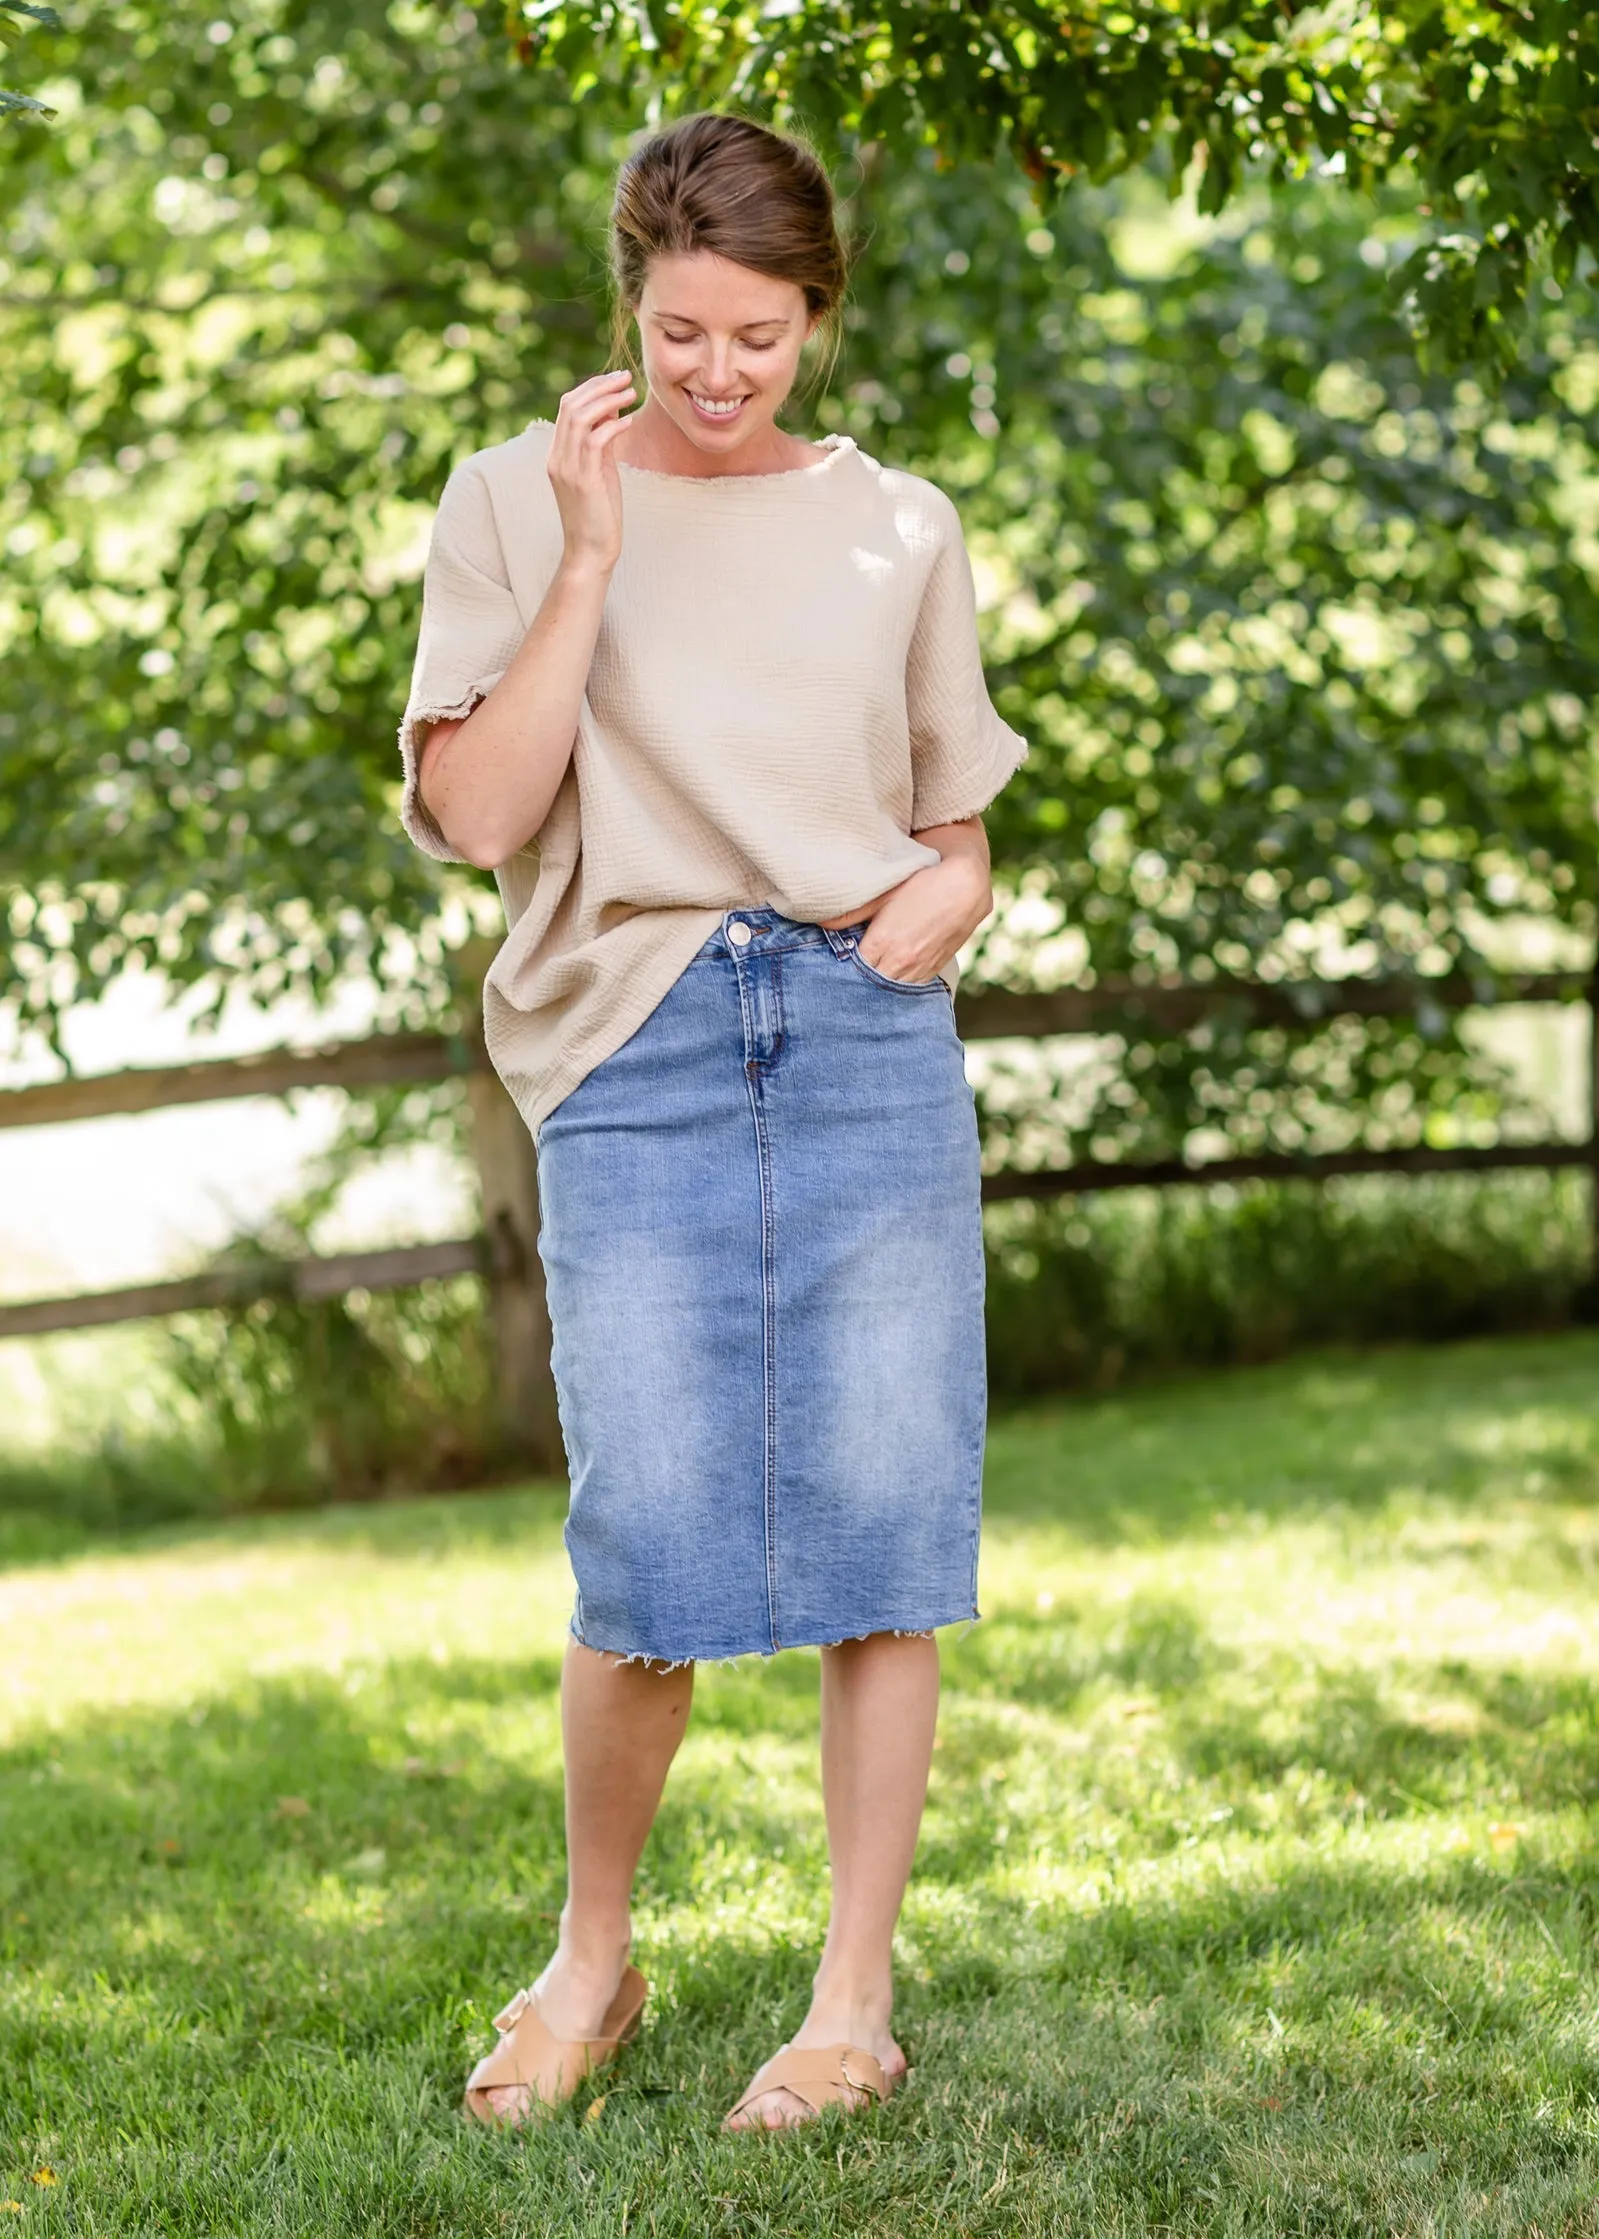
(729, 185)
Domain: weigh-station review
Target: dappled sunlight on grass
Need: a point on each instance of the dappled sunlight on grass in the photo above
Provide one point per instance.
(281, 1595)
(1328, 1434)
(1257, 1892)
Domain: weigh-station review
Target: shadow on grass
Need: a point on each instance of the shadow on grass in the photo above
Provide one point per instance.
(238, 2019)
(1191, 1947)
(495, 1518)
(308, 1812)
(1155, 1716)
(1477, 1423)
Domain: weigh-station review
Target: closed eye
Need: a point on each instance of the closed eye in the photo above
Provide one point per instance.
(682, 340)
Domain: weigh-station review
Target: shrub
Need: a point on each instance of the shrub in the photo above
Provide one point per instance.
(1085, 1290)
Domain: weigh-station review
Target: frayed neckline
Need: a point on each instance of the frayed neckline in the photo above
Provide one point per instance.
(834, 446)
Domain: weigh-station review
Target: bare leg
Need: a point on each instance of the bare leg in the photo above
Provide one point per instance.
(620, 1727)
(879, 1710)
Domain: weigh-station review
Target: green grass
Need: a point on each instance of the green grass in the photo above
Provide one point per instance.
(1258, 1891)
(289, 1404)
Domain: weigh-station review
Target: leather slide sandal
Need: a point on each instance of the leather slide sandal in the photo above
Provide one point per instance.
(529, 2053)
(821, 2076)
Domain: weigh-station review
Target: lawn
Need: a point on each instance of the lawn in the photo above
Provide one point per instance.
(1257, 1895)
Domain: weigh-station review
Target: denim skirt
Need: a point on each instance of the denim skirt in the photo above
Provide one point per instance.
(761, 1237)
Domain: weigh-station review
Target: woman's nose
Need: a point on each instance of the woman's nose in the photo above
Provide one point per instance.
(719, 371)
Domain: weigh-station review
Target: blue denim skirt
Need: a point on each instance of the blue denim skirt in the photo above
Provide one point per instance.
(762, 1240)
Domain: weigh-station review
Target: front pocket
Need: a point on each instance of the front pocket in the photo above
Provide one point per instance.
(934, 986)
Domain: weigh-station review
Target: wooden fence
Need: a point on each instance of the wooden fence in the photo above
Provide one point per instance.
(505, 1250)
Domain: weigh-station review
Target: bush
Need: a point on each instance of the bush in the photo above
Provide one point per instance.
(283, 1404)
(343, 1398)
(1086, 1290)
(279, 1404)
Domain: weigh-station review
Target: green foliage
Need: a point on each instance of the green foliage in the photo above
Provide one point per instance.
(341, 1399)
(100, 1487)
(1305, 636)
(236, 289)
(1256, 1896)
(1090, 1290)
(1492, 110)
(282, 1404)
(290, 1405)
(300, 1401)
(15, 16)
(1306, 641)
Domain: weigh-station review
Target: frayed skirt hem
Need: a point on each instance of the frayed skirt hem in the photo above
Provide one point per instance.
(660, 1660)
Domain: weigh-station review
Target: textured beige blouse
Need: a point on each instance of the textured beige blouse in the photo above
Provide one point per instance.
(786, 685)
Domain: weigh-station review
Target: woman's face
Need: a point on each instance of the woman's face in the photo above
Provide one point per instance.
(721, 346)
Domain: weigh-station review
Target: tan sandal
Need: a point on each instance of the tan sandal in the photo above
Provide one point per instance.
(820, 2076)
(529, 2053)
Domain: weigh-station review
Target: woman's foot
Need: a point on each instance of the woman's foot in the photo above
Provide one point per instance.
(573, 1996)
(827, 2023)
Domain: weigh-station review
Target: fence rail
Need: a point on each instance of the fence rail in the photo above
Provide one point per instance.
(988, 1015)
(329, 1276)
(376, 1062)
(506, 1252)
(1278, 1166)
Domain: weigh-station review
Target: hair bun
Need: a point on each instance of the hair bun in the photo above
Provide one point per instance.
(727, 185)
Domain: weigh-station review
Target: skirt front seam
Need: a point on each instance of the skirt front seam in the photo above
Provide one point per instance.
(752, 1022)
(767, 1303)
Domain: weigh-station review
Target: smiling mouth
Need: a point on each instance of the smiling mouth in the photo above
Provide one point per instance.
(716, 408)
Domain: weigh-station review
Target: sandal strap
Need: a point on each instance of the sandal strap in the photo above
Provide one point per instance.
(527, 2045)
(820, 2076)
(513, 2010)
(529, 2048)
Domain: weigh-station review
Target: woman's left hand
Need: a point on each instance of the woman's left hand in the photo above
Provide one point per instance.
(919, 925)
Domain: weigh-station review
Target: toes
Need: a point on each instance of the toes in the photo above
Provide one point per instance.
(781, 2110)
(510, 2103)
(774, 2110)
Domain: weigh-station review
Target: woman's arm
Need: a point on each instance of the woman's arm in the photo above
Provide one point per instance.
(919, 925)
(488, 779)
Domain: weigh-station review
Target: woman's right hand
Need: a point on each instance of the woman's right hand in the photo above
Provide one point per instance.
(582, 471)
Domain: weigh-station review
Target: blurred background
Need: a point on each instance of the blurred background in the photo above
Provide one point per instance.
(1295, 601)
(1257, 346)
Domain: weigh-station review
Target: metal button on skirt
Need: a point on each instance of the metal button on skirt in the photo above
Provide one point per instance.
(762, 1241)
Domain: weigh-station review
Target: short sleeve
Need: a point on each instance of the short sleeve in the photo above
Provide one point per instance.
(961, 751)
(471, 629)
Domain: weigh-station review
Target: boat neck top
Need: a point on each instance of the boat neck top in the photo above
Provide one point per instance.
(785, 688)
(834, 447)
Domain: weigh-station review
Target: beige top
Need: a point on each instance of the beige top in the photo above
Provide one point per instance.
(786, 685)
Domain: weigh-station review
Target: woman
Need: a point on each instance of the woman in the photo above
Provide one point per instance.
(707, 698)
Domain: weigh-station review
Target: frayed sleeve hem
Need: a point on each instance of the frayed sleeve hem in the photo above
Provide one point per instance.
(421, 826)
(956, 798)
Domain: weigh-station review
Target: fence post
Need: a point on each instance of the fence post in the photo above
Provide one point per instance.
(519, 1315)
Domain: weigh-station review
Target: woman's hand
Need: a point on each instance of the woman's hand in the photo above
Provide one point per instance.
(919, 925)
(582, 471)
(489, 780)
